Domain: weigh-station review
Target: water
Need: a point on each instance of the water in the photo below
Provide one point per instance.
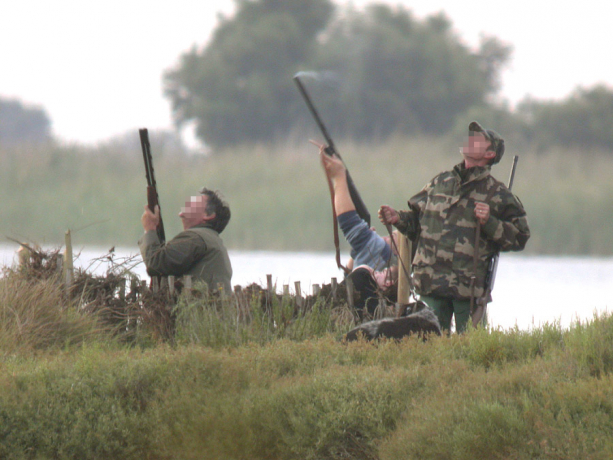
(529, 291)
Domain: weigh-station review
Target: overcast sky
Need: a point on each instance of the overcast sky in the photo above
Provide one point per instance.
(96, 67)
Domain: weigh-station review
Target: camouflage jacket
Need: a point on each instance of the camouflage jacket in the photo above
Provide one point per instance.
(441, 220)
(198, 252)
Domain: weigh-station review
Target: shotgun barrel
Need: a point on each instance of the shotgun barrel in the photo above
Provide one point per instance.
(153, 198)
(360, 207)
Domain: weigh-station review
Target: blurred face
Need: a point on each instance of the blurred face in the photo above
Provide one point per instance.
(387, 277)
(194, 212)
(475, 149)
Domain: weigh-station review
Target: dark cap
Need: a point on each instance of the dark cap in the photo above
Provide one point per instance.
(492, 136)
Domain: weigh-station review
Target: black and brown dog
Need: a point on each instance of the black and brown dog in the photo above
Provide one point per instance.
(418, 319)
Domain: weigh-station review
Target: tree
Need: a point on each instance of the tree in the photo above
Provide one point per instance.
(405, 75)
(239, 87)
(22, 124)
(584, 119)
(392, 73)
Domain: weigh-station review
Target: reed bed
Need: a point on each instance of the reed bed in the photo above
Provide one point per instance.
(278, 194)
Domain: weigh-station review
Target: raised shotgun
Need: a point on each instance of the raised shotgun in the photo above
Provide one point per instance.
(153, 198)
(360, 207)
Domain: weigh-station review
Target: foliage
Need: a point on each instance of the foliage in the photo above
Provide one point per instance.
(280, 385)
(318, 398)
(400, 75)
(239, 87)
(23, 124)
(385, 72)
(583, 120)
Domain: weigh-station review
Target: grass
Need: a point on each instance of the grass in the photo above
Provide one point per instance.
(316, 399)
(278, 194)
(262, 380)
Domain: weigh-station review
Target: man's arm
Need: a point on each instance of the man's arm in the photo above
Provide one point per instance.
(508, 228)
(368, 247)
(407, 222)
(337, 173)
(173, 258)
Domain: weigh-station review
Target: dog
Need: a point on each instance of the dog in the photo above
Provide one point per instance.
(419, 319)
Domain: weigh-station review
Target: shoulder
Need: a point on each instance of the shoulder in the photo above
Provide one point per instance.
(203, 233)
(501, 195)
(442, 177)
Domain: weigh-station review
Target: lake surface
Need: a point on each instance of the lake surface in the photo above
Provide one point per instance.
(529, 290)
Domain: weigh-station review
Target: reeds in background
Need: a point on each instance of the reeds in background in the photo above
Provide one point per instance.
(278, 193)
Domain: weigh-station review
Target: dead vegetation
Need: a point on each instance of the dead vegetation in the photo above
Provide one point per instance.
(121, 305)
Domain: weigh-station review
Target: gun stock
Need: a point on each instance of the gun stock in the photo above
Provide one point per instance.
(360, 207)
(153, 198)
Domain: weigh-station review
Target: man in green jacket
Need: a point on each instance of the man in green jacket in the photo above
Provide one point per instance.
(442, 219)
(198, 250)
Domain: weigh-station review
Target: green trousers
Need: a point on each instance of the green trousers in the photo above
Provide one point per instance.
(445, 308)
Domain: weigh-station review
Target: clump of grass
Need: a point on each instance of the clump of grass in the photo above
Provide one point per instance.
(488, 347)
(590, 344)
(215, 320)
(34, 315)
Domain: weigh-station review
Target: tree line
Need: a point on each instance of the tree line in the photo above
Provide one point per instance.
(372, 73)
(376, 72)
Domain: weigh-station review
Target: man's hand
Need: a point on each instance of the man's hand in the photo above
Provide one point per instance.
(333, 166)
(150, 220)
(388, 215)
(482, 212)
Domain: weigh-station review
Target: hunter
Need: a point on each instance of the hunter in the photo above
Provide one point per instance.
(373, 265)
(443, 221)
(198, 250)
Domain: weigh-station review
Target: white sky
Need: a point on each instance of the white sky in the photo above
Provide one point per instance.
(96, 67)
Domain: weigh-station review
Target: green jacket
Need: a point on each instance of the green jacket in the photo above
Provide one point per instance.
(198, 252)
(441, 220)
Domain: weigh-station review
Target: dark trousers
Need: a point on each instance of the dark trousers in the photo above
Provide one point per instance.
(445, 308)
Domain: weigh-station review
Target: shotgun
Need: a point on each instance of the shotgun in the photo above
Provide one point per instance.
(153, 198)
(360, 207)
(490, 276)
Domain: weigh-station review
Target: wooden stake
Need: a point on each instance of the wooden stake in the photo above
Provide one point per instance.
(68, 266)
(187, 282)
(171, 285)
(334, 286)
(349, 286)
(298, 293)
(404, 286)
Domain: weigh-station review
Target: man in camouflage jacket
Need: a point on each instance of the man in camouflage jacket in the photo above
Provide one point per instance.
(442, 219)
(198, 251)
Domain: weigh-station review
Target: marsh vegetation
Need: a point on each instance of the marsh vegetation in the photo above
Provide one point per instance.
(265, 382)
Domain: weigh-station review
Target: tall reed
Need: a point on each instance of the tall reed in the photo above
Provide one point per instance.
(278, 194)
